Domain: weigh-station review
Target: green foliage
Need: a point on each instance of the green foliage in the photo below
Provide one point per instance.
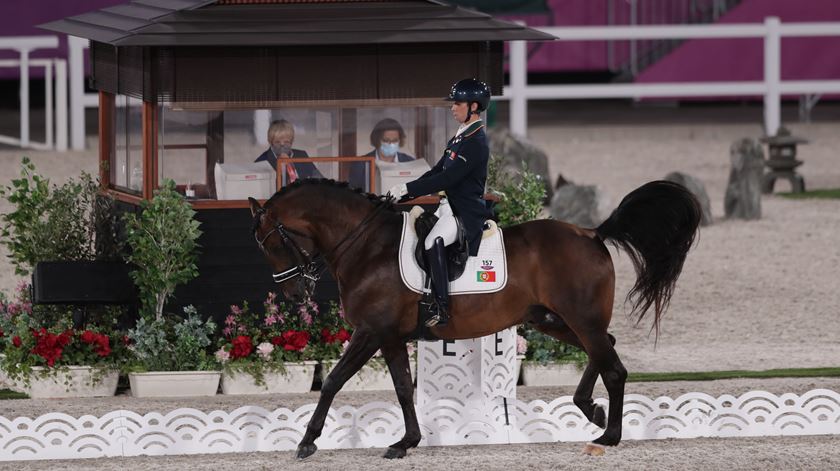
(255, 343)
(163, 242)
(521, 196)
(68, 222)
(170, 345)
(27, 342)
(545, 349)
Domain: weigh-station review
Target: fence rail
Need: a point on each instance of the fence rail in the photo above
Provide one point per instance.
(771, 88)
(23, 46)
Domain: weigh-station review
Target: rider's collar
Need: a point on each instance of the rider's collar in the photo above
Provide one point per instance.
(466, 131)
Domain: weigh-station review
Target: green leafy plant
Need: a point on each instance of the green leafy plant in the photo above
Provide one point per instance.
(256, 343)
(544, 349)
(521, 196)
(173, 345)
(31, 347)
(163, 241)
(50, 222)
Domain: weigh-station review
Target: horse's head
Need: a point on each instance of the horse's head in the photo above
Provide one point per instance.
(288, 250)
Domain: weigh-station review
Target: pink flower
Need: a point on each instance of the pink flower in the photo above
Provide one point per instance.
(521, 345)
(222, 356)
(270, 320)
(314, 307)
(341, 311)
(242, 329)
(230, 320)
(264, 350)
(227, 331)
(235, 310)
(304, 315)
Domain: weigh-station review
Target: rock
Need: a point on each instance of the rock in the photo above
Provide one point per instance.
(516, 149)
(696, 187)
(582, 205)
(743, 192)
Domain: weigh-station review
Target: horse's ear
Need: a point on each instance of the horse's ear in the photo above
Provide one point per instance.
(255, 206)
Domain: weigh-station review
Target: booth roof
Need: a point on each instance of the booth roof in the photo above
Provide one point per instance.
(287, 23)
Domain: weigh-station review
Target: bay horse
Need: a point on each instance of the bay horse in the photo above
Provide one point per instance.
(560, 280)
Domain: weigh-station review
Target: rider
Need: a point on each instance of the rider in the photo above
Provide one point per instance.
(461, 173)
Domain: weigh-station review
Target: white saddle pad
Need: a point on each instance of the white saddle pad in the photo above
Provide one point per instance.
(485, 273)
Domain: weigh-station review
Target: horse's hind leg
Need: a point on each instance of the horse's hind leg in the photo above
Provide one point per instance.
(361, 348)
(603, 356)
(397, 358)
(551, 324)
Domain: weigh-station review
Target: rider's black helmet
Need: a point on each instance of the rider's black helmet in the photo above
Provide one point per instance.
(470, 90)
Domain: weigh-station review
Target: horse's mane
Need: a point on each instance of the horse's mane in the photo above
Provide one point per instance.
(376, 200)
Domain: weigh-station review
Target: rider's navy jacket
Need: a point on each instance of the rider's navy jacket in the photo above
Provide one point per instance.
(462, 173)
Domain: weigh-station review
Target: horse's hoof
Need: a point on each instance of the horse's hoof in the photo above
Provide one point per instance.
(594, 449)
(394, 453)
(305, 451)
(599, 418)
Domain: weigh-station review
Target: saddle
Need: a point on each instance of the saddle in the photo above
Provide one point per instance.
(456, 254)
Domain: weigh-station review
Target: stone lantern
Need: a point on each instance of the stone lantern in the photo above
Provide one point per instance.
(781, 161)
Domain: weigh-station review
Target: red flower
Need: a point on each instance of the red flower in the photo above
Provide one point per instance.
(16, 341)
(326, 336)
(101, 342)
(88, 337)
(294, 340)
(50, 346)
(242, 347)
(342, 335)
(2, 334)
(126, 340)
(276, 340)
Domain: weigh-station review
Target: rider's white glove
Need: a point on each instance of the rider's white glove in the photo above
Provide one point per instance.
(398, 191)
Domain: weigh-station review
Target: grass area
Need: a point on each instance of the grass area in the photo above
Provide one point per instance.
(831, 193)
(9, 394)
(713, 375)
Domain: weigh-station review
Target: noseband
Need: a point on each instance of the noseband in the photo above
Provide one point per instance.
(310, 268)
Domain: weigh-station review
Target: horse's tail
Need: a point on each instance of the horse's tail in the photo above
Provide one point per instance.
(655, 224)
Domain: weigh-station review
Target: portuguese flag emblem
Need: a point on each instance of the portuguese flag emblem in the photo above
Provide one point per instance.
(485, 276)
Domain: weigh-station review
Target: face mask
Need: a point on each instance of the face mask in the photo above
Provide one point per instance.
(280, 150)
(389, 149)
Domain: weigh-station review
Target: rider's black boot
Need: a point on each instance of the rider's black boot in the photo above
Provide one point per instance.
(436, 257)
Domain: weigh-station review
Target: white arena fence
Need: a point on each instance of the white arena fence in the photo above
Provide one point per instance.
(466, 395)
(771, 88)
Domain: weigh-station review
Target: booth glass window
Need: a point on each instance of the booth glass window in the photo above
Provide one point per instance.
(127, 164)
(232, 154)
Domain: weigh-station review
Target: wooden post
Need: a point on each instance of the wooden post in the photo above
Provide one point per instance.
(150, 135)
(107, 135)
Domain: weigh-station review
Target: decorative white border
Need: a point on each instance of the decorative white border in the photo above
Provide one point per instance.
(378, 424)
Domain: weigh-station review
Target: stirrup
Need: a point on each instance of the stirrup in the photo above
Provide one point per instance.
(437, 319)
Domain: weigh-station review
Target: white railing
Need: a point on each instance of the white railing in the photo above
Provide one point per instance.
(24, 45)
(771, 88)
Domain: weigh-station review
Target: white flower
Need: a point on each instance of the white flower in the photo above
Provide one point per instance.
(264, 350)
(521, 345)
(222, 356)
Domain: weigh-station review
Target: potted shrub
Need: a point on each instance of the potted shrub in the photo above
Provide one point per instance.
(171, 354)
(49, 361)
(267, 353)
(170, 357)
(549, 362)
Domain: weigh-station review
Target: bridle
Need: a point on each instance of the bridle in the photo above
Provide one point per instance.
(308, 267)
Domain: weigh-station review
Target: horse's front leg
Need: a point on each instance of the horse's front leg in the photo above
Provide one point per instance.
(397, 358)
(361, 348)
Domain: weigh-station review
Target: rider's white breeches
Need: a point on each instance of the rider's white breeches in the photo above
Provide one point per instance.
(446, 227)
